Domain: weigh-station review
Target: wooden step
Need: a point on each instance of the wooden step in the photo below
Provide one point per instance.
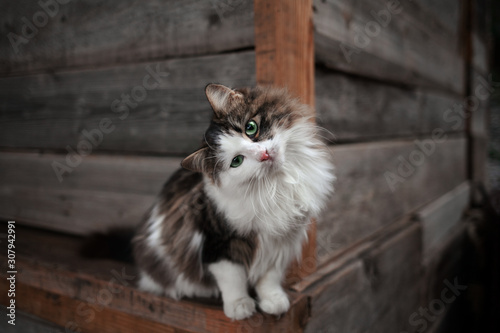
(55, 283)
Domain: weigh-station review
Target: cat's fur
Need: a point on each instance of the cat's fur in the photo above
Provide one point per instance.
(217, 228)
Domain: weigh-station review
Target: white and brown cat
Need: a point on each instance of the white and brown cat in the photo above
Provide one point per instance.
(236, 214)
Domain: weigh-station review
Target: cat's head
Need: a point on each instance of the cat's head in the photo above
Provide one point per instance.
(254, 133)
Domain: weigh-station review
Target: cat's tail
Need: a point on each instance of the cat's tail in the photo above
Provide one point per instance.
(114, 244)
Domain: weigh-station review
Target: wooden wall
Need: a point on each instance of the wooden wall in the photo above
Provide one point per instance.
(388, 81)
(63, 82)
(386, 91)
(73, 74)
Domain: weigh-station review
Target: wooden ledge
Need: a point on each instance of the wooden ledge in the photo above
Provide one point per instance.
(79, 294)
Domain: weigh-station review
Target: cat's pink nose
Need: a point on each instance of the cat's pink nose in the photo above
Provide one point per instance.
(264, 156)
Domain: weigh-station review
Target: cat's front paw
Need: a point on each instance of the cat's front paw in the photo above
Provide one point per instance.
(275, 303)
(240, 309)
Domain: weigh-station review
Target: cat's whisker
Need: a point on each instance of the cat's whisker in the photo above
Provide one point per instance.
(249, 185)
(209, 158)
(332, 137)
(256, 211)
(259, 196)
(205, 138)
(282, 120)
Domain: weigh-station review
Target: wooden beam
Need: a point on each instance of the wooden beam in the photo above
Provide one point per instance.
(84, 36)
(27, 323)
(284, 47)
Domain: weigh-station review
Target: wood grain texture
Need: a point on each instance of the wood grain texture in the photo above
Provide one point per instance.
(441, 216)
(61, 289)
(377, 292)
(99, 193)
(356, 109)
(96, 33)
(408, 47)
(284, 46)
(364, 200)
(51, 111)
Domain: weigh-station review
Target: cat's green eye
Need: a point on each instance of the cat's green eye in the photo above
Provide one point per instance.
(251, 128)
(237, 161)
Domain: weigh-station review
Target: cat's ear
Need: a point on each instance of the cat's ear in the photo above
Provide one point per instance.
(196, 160)
(221, 98)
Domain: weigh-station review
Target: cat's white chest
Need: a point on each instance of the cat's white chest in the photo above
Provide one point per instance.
(276, 253)
(271, 209)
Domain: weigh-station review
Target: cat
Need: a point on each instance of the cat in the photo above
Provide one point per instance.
(236, 214)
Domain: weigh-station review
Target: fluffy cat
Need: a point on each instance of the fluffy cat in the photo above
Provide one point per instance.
(236, 214)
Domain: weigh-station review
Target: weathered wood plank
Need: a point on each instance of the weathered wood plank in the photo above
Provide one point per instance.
(26, 323)
(99, 193)
(284, 46)
(67, 311)
(354, 108)
(375, 293)
(52, 111)
(60, 289)
(100, 33)
(377, 185)
(445, 12)
(62, 310)
(441, 216)
(398, 43)
(481, 88)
